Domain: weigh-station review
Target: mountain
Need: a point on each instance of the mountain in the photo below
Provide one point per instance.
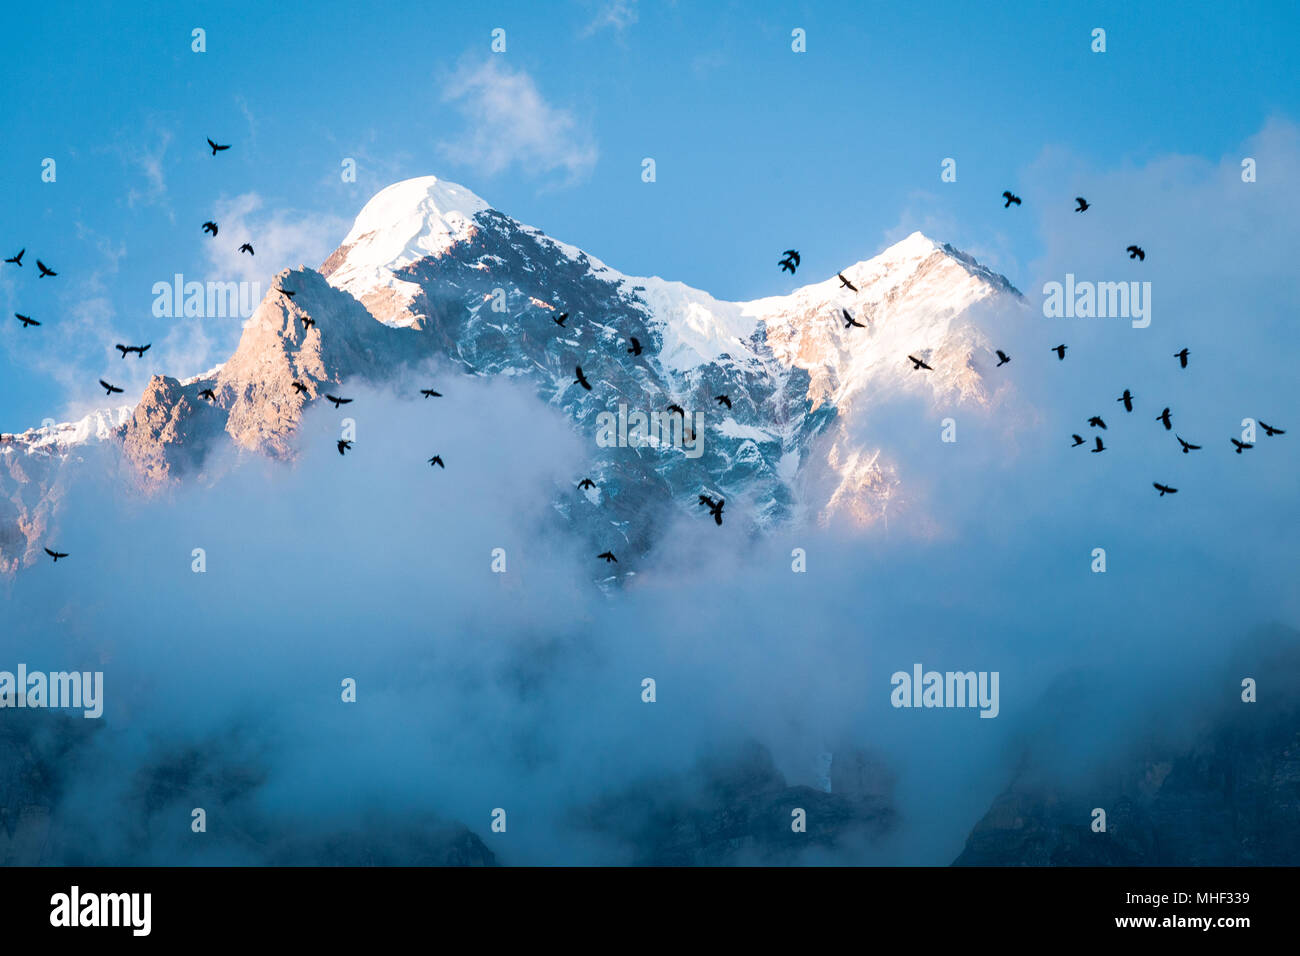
(431, 271)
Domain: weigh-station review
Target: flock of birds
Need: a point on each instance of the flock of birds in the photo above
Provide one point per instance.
(789, 262)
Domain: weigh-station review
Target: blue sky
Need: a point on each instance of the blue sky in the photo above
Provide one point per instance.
(835, 151)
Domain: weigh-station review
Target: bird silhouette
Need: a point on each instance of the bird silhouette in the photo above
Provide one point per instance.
(26, 320)
(216, 149)
(1270, 431)
(1010, 198)
(109, 389)
(1187, 446)
(1003, 358)
(715, 507)
(45, 270)
(850, 321)
(790, 261)
(307, 323)
(437, 460)
(1060, 352)
(1241, 445)
(338, 401)
(430, 393)
(586, 483)
(581, 379)
(1163, 418)
(1127, 399)
(247, 247)
(139, 349)
(1100, 446)
(636, 346)
(1083, 204)
(1078, 440)
(559, 320)
(723, 400)
(1182, 357)
(678, 409)
(209, 394)
(845, 283)
(1164, 489)
(917, 364)
(1096, 422)
(56, 554)
(608, 557)
(18, 259)
(285, 292)
(344, 445)
(300, 388)
(1136, 252)
(210, 228)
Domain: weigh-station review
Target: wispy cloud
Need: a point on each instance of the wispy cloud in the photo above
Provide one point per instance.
(509, 123)
(616, 15)
(280, 239)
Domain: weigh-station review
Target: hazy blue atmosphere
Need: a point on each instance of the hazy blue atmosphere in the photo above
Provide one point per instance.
(522, 690)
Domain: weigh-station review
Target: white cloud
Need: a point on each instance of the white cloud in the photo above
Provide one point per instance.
(282, 239)
(510, 124)
(616, 15)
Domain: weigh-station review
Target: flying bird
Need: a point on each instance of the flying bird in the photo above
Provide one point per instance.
(723, 400)
(344, 445)
(139, 349)
(26, 320)
(1163, 418)
(45, 270)
(210, 228)
(636, 346)
(1003, 358)
(1187, 446)
(338, 401)
(581, 379)
(216, 149)
(247, 247)
(18, 259)
(715, 507)
(1164, 489)
(1182, 357)
(678, 409)
(300, 388)
(586, 483)
(917, 364)
(790, 261)
(608, 557)
(1136, 252)
(1100, 446)
(286, 292)
(850, 321)
(307, 323)
(437, 460)
(1078, 440)
(209, 394)
(1083, 204)
(56, 554)
(430, 393)
(559, 320)
(845, 283)
(109, 389)
(1096, 422)
(1241, 446)
(1270, 431)
(1010, 198)
(1127, 399)
(1060, 352)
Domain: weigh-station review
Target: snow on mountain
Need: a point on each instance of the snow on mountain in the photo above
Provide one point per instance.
(429, 269)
